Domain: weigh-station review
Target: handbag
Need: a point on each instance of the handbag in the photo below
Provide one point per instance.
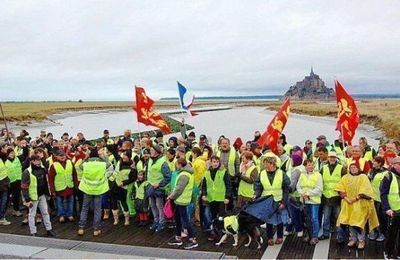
(169, 209)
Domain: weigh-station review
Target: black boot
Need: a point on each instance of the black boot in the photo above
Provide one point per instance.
(51, 233)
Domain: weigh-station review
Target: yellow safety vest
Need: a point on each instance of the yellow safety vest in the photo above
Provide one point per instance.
(361, 162)
(94, 181)
(32, 186)
(140, 190)
(330, 180)
(78, 169)
(310, 183)
(232, 222)
(246, 189)
(394, 196)
(119, 176)
(186, 197)
(231, 160)
(3, 170)
(14, 169)
(368, 155)
(215, 188)
(63, 178)
(287, 148)
(376, 183)
(171, 165)
(274, 189)
(154, 175)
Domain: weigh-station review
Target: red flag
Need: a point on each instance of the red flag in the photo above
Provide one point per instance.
(275, 127)
(348, 117)
(145, 113)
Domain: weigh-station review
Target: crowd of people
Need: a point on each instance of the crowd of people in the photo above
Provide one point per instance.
(341, 189)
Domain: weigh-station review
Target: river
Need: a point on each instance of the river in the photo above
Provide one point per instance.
(237, 122)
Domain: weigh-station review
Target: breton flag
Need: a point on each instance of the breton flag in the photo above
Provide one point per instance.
(186, 99)
(275, 128)
(348, 117)
(145, 113)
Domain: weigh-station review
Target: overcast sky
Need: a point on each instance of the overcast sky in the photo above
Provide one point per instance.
(98, 50)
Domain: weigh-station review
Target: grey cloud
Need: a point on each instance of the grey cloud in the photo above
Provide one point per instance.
(214, 47)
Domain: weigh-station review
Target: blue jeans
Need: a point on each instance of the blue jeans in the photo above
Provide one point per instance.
(87, 201)
(312, 219)
(295, 216)
(270, 231)
(329, 212)
(3, 203)
(207, 217)
(65, 210)
(182, 221)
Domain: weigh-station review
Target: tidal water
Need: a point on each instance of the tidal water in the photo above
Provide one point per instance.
(237, 122)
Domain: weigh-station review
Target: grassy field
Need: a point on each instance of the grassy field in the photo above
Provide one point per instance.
(382, 114)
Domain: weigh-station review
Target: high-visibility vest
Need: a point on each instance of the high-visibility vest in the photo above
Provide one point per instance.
(33, 195)
(172, 164)
(246, 189)
(231, 160)
(394, 196)
(140, 167)
(257, 162)
(330, 180)
(215, 188)
(310, 183)
(110, 141)
(274, 189)
(140, 190)
(14, 169)
(231, 221)
(154, 175)
(376, 183)
(63, 178)
(119, 176)
(186, 197)
(339, 153)
(78, 169)
(3, 170)
(287, 148)
(368, 154)
(361, 162)
(18, 151)
(94, 181)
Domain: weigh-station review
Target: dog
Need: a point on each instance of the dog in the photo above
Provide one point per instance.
(242, 223)
(229, 226)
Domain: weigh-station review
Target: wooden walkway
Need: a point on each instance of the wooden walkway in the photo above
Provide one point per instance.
(292, 248)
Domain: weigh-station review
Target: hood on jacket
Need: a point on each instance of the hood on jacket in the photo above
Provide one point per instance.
(188, 168)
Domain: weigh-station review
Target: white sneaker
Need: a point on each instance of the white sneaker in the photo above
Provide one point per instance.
(286, 233)
(300, 234)
(4, 222)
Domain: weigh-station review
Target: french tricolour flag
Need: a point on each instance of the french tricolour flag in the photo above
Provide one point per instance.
(186, 99)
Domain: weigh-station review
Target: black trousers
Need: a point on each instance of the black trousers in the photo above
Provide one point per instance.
(217, 209)
(15, 192)
(119, 194)
(392, 242)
